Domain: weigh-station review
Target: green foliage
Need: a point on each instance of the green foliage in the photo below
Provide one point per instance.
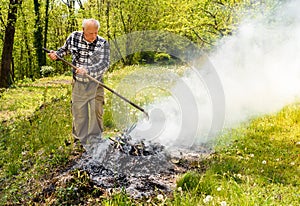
(27, 96)
(202, 22)
(189, 181)
(118, 199)
(35, 146)
(75, 189)
(162, 57)
(47, 71)
(33, 136)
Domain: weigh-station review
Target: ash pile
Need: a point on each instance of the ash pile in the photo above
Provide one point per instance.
(141, 168)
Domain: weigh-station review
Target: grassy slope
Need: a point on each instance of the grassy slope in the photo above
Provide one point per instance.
(257, 164)
(260, 167)
(33, 145)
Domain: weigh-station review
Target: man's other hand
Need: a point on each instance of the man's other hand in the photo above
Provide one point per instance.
(52, 55)
(81, 71)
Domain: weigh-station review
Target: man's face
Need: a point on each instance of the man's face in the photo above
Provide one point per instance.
(90, 32)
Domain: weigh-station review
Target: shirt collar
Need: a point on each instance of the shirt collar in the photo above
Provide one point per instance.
(89, 43)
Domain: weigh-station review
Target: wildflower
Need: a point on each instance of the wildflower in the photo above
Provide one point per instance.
(251, 155)
(207, 199)
(292, 163)
(264, 162)
(179, 189)
(160, 197)
(219, 189)
(238, 176)
(223, 203)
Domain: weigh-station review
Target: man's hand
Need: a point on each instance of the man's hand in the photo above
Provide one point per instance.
(52, 55)
(81, 70)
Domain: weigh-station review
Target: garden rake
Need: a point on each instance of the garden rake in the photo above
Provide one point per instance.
(101, 84)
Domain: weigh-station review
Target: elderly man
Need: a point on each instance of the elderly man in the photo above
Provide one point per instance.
(90, 54)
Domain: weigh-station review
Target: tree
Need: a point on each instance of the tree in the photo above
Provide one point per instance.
(25, 50)
(46, 23)
(38, 37)
(72, 23)
(7, 70)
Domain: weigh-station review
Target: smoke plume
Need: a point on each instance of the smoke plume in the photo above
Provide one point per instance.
(259, 70)
(259, 66)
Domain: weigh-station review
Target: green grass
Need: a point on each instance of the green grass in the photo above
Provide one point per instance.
(255, 164)
(259, 166)
(25, 97)
(34, 132)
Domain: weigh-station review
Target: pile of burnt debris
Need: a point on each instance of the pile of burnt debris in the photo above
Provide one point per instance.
(141, 168)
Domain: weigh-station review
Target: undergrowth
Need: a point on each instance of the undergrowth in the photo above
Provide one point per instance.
(33, 148)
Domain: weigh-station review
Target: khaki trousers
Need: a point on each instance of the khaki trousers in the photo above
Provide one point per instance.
(87, 111)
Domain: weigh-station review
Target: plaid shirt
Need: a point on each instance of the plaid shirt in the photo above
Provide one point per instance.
(92, 56)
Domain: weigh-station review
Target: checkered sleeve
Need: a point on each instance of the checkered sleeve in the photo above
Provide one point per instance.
(64, 50)
(99, 61)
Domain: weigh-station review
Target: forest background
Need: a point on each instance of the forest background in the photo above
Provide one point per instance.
(26, 26)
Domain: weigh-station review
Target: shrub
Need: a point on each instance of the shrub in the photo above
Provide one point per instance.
(47, 71)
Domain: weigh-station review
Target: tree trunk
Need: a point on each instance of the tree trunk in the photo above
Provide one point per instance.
(98, 14)
(46, 24)
(6, 78)
(72, 23)
(2, 25)
(38, 38)
(108, 33)
(25, 61)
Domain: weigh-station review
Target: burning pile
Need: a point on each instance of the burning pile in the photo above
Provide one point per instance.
(139, 167)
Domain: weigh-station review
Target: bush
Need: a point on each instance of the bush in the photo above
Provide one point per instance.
(47, 71)
(162, 57)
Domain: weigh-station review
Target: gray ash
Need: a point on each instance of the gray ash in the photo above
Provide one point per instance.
(141, 168)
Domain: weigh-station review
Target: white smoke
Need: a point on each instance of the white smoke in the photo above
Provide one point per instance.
(180, 119)
(259, 68)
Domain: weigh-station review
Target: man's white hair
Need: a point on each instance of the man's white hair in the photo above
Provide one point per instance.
(94, 21)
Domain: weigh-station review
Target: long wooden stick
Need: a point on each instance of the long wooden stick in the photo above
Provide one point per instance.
(101, 84)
